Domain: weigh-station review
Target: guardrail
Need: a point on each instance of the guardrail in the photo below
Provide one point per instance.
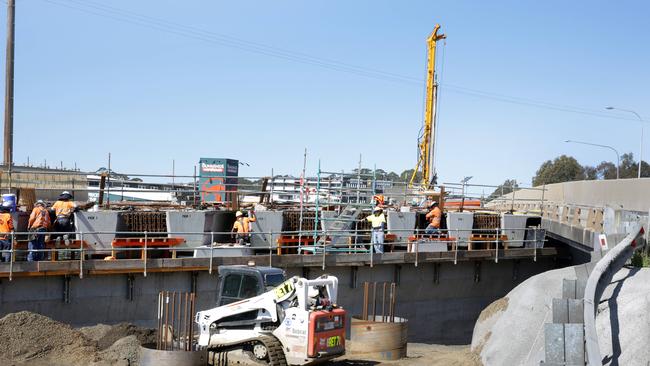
(149, 242)
(598, 280)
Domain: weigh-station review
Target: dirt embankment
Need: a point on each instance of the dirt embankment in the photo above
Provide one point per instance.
(30, 339)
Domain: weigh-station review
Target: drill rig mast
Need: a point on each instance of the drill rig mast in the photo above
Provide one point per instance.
(426, 144)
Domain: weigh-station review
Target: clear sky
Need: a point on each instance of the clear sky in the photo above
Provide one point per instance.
(221, 79)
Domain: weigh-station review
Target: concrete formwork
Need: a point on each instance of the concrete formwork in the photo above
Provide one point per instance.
(267, 221)
(190, 222)
(402, 224)
(97, 221)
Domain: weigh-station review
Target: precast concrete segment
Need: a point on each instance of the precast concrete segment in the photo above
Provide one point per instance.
(377, 339)
(401, 224)
(92, 222)
(601, 275)
(192, 222)
(267, 222)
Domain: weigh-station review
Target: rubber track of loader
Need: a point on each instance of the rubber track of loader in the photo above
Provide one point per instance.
(219, 356)
(275, 351)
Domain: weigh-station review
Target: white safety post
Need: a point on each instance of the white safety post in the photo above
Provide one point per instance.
(211, 250)
(496, 247)
(81, 255)
(146, 238)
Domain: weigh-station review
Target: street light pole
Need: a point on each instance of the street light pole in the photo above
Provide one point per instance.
(641, 144)
(618, 156)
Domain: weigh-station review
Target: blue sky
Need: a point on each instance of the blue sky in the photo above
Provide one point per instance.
(89, 84)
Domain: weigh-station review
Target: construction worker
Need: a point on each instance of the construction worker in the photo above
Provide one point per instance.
(6, 227)
(378, 222)
(63, 209)
(242, 227)
(434, 216)
(39, 223)
(379, 200)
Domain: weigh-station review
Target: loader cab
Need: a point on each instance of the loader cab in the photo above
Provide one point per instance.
(242, 282)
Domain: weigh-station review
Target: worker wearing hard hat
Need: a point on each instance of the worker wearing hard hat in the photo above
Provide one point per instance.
(6, 228)
(63, 209)
(242, 227)
(434, 217)
(378, 222)
(39, 223)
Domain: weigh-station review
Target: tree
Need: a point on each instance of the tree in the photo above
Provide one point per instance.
(561, 169)
(508, 186)
(406, 175)
(591, 173)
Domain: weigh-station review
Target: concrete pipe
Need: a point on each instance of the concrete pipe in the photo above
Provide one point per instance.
(150, 356)
(377, 340)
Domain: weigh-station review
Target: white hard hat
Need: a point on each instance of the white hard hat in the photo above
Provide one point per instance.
(239, 213)
(40, 202)
(65, 192)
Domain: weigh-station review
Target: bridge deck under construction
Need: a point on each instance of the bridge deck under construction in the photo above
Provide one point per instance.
(126, 266)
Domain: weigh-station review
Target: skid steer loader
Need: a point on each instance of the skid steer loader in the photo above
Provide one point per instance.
(274, 320)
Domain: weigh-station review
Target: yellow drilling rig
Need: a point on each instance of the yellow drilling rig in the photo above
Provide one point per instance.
(426, 142)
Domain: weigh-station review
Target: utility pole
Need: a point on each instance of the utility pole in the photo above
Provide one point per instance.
(9, 86)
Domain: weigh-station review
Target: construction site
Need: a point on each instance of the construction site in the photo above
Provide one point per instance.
(113, 266)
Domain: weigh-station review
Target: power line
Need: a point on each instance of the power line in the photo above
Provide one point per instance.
(135, 18)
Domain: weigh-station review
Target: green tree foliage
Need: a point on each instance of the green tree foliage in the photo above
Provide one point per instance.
(561, 169)
(508, 186)
(566, 168)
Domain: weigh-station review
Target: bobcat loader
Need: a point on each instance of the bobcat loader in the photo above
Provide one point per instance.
(276, 321)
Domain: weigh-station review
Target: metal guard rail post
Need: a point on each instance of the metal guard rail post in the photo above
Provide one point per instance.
(599, 278)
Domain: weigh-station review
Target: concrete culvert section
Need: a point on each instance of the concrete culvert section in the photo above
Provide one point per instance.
(150, 356)
(378, 340)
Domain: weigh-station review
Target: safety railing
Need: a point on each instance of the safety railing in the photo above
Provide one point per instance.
(417, 242)
(598, 280)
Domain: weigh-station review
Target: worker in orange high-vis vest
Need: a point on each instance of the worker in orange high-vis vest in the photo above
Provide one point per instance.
(241, 227)
(6, 228)
(63, 209)
(435, 217)
(39, 224)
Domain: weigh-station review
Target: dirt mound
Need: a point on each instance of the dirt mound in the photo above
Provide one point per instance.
(124, 351)
(30, 339)
(28, 336)
(106, 335)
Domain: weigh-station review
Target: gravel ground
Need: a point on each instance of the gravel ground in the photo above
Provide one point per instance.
(422, 354)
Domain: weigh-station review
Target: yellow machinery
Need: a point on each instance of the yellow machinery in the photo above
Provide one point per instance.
(426, 143)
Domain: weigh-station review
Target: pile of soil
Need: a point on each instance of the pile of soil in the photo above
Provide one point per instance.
(32, 339)
(26, 336)
(106, 335)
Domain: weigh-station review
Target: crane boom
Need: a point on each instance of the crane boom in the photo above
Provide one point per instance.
(426, 150)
